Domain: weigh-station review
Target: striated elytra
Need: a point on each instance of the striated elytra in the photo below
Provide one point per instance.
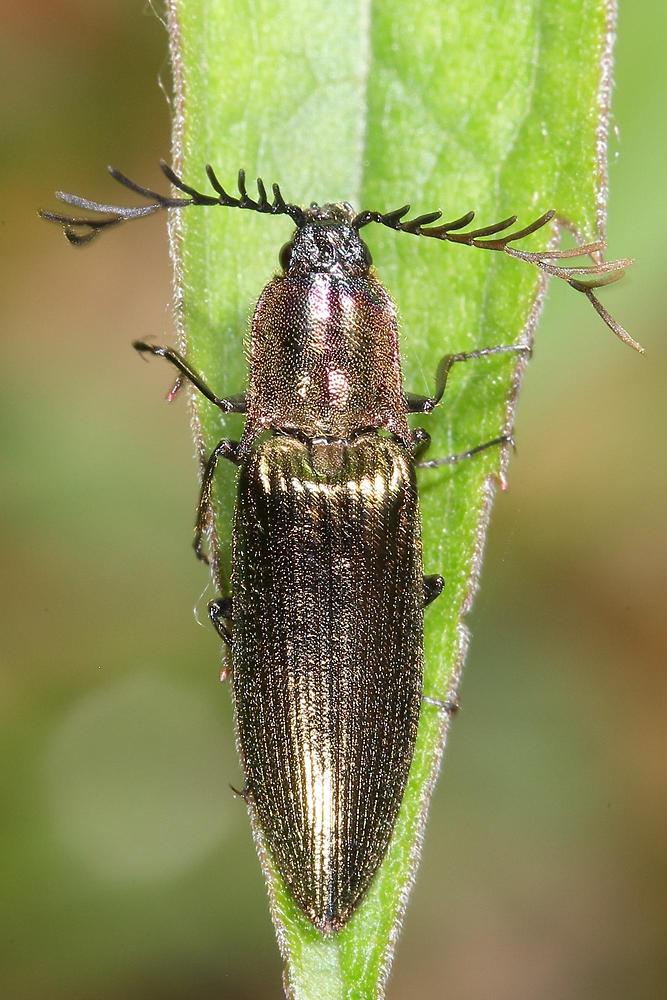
(325, 616)
(327, 656)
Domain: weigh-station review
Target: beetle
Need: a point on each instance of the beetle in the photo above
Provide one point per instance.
(325, 616)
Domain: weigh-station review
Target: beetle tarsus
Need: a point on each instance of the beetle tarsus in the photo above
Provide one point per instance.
(450, 706)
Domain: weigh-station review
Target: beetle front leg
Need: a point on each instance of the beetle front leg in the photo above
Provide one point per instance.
(224, 449)
(233, 404)
(425, 404)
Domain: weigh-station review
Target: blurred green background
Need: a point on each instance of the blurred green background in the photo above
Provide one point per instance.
(128, 867)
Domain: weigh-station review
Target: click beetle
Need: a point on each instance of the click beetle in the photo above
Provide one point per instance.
(325, 616)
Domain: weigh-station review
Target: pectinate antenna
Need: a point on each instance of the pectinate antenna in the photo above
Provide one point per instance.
(81, 230)
(583, 278)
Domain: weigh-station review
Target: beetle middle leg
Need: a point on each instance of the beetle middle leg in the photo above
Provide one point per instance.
(425, 404)
(422, 441)
(434, 463)
(224, 449)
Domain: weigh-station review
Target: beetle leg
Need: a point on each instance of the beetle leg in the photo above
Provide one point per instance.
(434, 463)
(234, 404)
(242, 793)
(450, 705)
(421, 440)
(224, 449)
(425, 404)
(220, 612)
(433, 587)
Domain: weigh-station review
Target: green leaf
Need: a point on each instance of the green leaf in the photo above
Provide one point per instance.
(498, 107)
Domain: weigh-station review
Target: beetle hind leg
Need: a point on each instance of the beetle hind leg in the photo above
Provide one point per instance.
(433, 587)
(220, 612)
(242, 793)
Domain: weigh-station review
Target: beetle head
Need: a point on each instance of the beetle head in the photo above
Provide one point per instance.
(326, 241)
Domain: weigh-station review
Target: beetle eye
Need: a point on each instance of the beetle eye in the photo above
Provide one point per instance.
(286, 256)
(367, 254)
